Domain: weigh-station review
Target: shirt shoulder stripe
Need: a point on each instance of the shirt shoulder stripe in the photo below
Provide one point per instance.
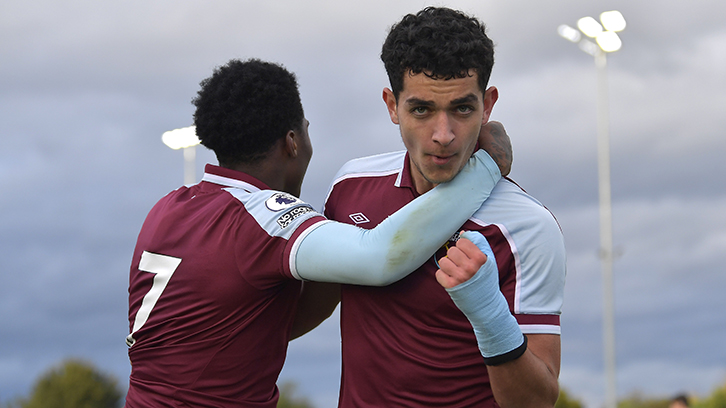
(380, 165)
(229, 182)
(279, 214)
(372, 166)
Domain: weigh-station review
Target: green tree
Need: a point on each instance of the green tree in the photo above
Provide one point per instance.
(566, 401)
(288, 399)
(638, 401)
(717, 399)
(74, 384)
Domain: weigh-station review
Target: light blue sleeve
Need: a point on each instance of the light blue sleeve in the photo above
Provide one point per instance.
(342, 253)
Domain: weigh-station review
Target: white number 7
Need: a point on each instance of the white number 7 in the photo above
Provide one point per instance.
(163, 266)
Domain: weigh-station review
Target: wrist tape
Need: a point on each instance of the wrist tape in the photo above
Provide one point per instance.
(497, 332)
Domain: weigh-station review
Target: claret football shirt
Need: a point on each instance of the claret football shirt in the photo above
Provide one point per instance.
(407, 344)
(211, 296)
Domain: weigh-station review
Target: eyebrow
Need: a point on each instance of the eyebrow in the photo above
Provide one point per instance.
(421, 102)
(418, 102)
(467, 99)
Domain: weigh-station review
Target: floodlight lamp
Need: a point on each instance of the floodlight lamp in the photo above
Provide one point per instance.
(613, 21)
(569, 33)
(181, 138)
(589, 26)
(609, 41)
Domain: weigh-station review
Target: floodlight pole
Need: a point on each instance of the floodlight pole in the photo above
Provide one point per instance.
(606, 228)
(186, 139)
(190, 156)
(610, 42)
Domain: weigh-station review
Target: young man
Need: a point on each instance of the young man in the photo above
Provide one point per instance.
(218, 266)
(407, 344)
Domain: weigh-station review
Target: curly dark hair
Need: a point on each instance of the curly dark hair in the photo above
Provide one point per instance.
(440, 42)
(245, 107)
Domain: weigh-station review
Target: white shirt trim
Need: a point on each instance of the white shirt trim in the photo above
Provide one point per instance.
(229, 182)
(540, 329)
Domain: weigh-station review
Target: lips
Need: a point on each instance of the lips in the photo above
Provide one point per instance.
(441, 160)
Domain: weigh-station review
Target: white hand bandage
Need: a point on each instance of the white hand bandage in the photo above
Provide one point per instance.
(479, 298)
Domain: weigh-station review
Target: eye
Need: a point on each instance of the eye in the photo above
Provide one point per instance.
(419, 110)
(464, 109)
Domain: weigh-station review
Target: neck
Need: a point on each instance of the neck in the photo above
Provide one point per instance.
(420, 184)
(264, 170)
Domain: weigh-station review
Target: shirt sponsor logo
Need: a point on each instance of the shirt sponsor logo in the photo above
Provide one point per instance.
(290, 216)
(281, 201)
(359, 218)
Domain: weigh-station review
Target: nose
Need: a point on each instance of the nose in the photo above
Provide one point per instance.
(443, 133)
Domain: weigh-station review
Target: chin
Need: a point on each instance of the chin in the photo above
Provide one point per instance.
(440, 178)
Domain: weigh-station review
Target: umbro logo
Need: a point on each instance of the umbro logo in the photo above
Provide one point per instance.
(359, 218)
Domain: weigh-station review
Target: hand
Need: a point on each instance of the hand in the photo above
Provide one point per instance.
(478, 296)
(461, 262)
(494, 139)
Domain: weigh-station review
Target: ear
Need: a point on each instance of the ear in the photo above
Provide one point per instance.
(490, 98)
(291, 143)
(391, 104)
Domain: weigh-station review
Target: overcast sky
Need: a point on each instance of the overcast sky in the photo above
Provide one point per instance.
(88, 87)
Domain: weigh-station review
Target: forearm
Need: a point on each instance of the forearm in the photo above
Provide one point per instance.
(532, 379)
(497, 332)
(317, 302)
(335, 252)
(523, 370)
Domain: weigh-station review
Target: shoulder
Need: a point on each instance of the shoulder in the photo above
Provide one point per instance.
(277, 212)
(358, 178)
(535, 244)
(531, 230)
(509, 204)
(372, 166)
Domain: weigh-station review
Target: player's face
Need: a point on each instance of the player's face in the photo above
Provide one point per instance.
(440, 122)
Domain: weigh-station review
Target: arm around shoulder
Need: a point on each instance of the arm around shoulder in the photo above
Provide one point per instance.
(342, 253)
